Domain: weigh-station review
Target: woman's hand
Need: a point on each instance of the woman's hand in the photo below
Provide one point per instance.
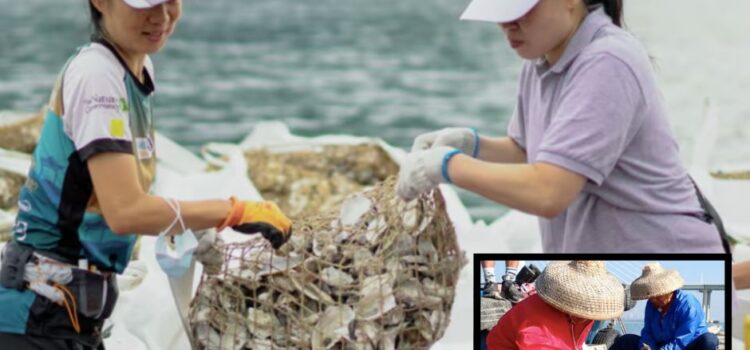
(259, 217)
(464, 139)
(470, 143)
(128, 209)
(422, 171)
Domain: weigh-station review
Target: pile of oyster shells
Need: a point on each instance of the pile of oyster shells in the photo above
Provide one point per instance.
(374, 273)
(20, 131)
(305, 183)
(737, 175)
(10, 188)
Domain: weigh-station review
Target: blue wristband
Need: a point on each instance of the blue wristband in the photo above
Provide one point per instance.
(446, 158)
(476, 143)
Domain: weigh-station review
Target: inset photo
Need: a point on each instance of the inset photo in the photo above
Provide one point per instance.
(590, 303)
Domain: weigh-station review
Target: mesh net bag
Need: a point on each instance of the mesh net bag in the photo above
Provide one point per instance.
(373, 273)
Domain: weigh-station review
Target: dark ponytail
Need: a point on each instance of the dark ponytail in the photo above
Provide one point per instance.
(96, 22)
(613, 8)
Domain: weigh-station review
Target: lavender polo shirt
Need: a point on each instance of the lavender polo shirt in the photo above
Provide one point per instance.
(598, 112)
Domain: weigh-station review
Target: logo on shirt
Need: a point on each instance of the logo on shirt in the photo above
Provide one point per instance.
(124, 105)
(24, 205)
(144, 147)
(100, 102)
(117, 127)
(20, 230)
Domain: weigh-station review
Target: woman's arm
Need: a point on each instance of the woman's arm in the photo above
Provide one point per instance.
(741, 275)
(500, 150)
(128, 209)
(540, 189)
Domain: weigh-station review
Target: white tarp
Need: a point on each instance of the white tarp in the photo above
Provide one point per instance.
(146, 316)
(515, 232)
(135, 324)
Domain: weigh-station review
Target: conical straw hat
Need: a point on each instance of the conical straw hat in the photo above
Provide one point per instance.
(582, 288)
(655, 281)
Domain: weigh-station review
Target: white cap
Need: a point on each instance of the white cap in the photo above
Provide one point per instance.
(497, 11)
(144, 4)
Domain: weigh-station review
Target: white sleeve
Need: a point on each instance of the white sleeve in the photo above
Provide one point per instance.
(95, 104)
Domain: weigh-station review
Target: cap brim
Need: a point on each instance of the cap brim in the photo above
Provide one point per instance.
(497, 11)
(144, 4)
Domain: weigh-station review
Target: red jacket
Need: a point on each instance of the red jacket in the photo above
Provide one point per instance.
(535, 325)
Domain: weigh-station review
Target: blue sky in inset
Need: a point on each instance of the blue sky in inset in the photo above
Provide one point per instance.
(693, 272)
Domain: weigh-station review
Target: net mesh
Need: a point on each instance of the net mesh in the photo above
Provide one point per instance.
(373, 273)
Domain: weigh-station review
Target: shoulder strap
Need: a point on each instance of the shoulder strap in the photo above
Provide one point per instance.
(711, 216)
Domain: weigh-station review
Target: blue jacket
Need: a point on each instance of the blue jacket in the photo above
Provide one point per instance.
(683, 323)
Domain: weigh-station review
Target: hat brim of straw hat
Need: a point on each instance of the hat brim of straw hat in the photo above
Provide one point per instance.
(593, 295)
(656, 284)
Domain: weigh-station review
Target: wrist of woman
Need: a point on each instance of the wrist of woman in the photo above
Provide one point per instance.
(234, 216)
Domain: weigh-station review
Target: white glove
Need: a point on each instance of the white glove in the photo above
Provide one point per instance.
(464, 139)
(422, 171)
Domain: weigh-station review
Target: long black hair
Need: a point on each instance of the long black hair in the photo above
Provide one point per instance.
(96, 22)
(613, 8)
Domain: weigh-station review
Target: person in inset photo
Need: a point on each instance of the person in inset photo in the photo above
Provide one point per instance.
(674, 319)
(506, 289)
(570, 296)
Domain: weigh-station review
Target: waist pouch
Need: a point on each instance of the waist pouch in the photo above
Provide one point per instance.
(95, 298)
(95, 294)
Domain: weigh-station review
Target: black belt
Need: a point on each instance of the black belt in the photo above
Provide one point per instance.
(95, 297)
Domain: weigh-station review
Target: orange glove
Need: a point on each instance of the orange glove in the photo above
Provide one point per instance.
(259, 217)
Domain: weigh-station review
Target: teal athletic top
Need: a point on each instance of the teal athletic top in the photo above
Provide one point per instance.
(97, 106)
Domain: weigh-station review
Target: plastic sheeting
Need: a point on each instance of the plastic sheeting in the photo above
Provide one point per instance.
(181, 176)
(147, 317)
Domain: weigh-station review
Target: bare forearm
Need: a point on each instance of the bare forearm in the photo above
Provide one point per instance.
(513, 185)
(538, 189)
(500, 150)
(741, 275)
(150, 215)
(128, 209)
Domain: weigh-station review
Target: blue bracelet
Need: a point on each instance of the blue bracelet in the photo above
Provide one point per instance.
(476, 143)
(446, 158)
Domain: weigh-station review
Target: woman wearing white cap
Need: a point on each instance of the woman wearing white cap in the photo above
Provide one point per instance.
(589, 147)
(674, 319)
(87, 192)
(570, 296)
